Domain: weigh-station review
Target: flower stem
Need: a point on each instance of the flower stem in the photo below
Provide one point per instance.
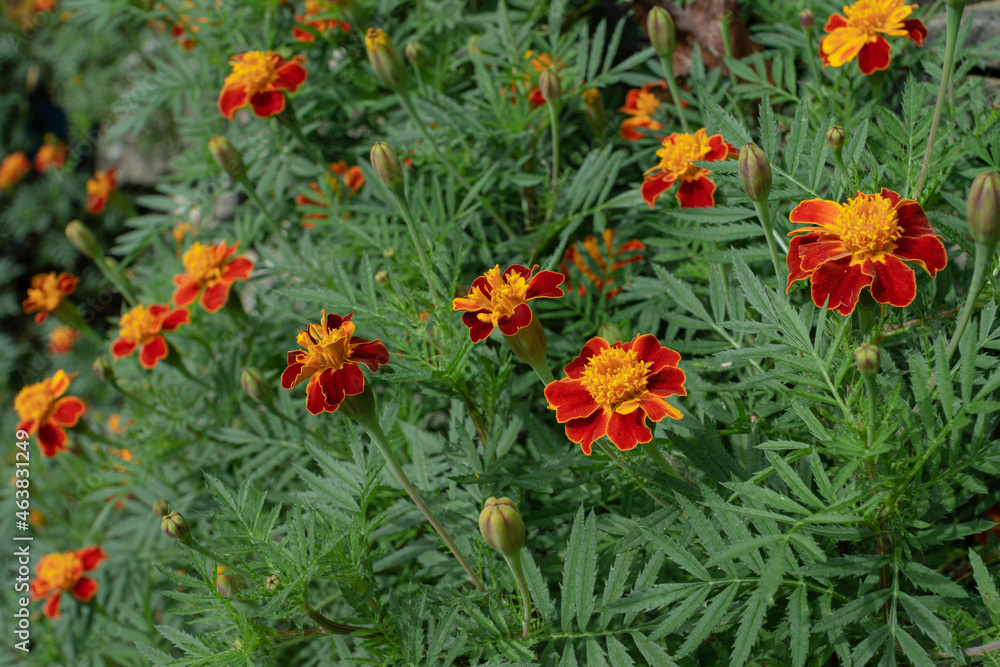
(642, 484)
(554, 126)
(983, 256)
(404, 209)
(514, 563)
(954, 17)
(764, 214)
(659, 459)
(194, 545)
(292, 121)
(69, 315)
(668, 75)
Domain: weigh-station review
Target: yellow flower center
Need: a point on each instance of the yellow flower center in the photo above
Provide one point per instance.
(256, 70)
(645, 104)
(63, 337)
(867, 227)
(202, 263)
(138, 325)
(332, 347)
(616, 377)
(508, 293)
(676, 156)
(878, 16)
(61, 570)
(34, 402)
(46, 294)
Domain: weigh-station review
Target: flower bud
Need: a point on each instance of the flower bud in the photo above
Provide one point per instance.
(835, 137)
(385, 59)
(755, 172)
(386, 164)
(472, 45)
(593, 112)
(866, 359)
(806, 20)
(161, 508)
(229, 159)
(415, 53)
(660, 27)
(382, 278)
(529, 343)
(175, 527)
(550, 86)
(254, 385)
(610, 332)
(226, 584)
(83, 240)
(983, 208)
(501, 526)
(272, 583)
(102, 369)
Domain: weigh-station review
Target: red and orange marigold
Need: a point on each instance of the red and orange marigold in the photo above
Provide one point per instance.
(260, 79)
(99, 190)
(640, 105)
(858, 33)
(64, 571)
(316, 8)
(210, 270)
(866, 242)
(353, 178)
(677, 154)
(605, 267)
(43, 410)
(612, 389)
(51, 155)
(47, 292)
(501, 300)
(62, 339)
(142, 327)
(330, 362)
(13, 168)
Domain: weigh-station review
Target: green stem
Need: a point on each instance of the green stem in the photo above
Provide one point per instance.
(983, 256)
(69, 315)
(194, 545)
(838, 157)
(174, 359)
(606, 448)
(659, 459)
(286, 248)
(811, 59)
(554, 126)
(514, 563)
(404, 208)
(296, 129)
(764, 214)
(881, 543)
(954, 17)
(870, 386)
(668, 75)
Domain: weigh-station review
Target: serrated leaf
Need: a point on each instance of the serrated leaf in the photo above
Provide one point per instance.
(708, 622)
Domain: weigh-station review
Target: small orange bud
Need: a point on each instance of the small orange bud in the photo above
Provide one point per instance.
(386, 164)
(660, 27)
(226, 156)
(983, 208)
(384, 59)
(501, 526)
(593, 112)
(866, 358)
(835, 137)
(755, 172)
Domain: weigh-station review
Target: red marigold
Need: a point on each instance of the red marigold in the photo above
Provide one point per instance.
(678, 153)
(316, 8)
(352, 177)
(44, 410)
(52, 155)
(528, 79)
(863, 243)
(611, 390)
(500, 300)
(60, 572)
(62, 339)
(606, 267)
(260, 79)
(47, 292)
(858, 34)
(330, 361)
(640, 105)
(209, 268)
(13, 168)
(142, 326)
(99, 190)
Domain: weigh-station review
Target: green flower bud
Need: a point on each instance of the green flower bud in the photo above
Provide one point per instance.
(866, 359)
(983, 208)
(415, 53)
(472, 46)
(835, 137)
(161, 508)
(83, 240)
(175, 527)
(387, 167)
(382, 278)
(660, 27)
(611, 333)
(529, 343)
(550, 86)
(501, 526)
(385, 59)
(102, 369)
(593, 112)
(229, 159)
(226, 585)
(755, 172)
(806, 20)
(254, 385)
(272, 583)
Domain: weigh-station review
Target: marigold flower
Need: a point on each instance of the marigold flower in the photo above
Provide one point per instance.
(99, 190)
(384, 59)
(316, 8)
(42, 409)
(330, 361)
(209, 268)
(676, 156)
(260, 79)
(606, 267)
(13, 168)
(993, 514)
(528, 78)
(142, 326)
(47, 292)
(60, 572)
(611, 390)
(52, 155)
(640, 105)
(62, 339)
(858, 33)
(351, 177)
(501, 300)
(864, 243)
(117, 426)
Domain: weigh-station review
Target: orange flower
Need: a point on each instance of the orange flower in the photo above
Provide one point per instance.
(99, 189)
(47, 292)
(352, 177)
(13, 168)
(60, 572)
(330, 361)
(611, 390)
(858, 34)
(640, 105)
(142, 326)
(501, 300)
(676, 157)
(862, 244)
(528, 79)
(315, 8)
(260, 79)
(52, 155)
(209, 268)
(44, 410)
(61, 340)
(126, 456)
(606, 266)
(993, 514)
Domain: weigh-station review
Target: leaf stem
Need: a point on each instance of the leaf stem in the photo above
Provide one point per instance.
(764, 215)
(984, 254)
(514, 563)
(404, 209)
(642, 484)
(668, 74)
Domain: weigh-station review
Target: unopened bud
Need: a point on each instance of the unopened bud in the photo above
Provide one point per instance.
(501, 526)
(272, 583)
(983, 208)
(550, 86)
(226, 156)
(610, 332)
(472, 46)
(755, 172)
(529, 343)
(386, 164)
(835, 137)
(806, 20)
(161, 508)
(415, 52)
(82, 239)
(382, 278)
(226, 584)
(660, 27)
(866, 359)
(102, 369)
(175, 527)
(385, 59)
(254, 385)
(593, 112)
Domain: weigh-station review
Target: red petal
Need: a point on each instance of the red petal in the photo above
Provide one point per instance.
(334, 321)
(231, 100)
(649, 349)
(917, 31)
(85, 589)
(521, 318)
(122, 348)
(895, 283)
(817, 212)
(911, 217)
(656, 409)
(238, 269)
(215, 297)
(268, 103)
(51, 440)
(841, 282)
(372, 353)
(348, 380)
(654, 186)
(719, 149)
(926, 251)
(315, 402)
(52, 605)
(515, 270)
(667, 382)
(813, 255)
(570, 399)
(588, 429)
(627, 431)
(39, 588)
(152, 352)
(290, 76)
(292, 375)
(158, 309)
(874, 55)
(545, 285)
(794, 259)
(187, 292)
(478, 330)
(836, 21)
(92, 557)
(68, 411)
(699, 193)
(175, 319)
(891, 195)
(595, 345)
